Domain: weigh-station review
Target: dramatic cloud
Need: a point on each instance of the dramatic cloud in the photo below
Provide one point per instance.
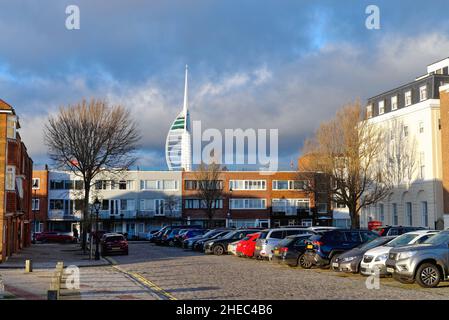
(252, 64)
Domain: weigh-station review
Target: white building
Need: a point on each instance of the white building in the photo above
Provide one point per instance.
(411, 116)
(132, 201)
(178, 146)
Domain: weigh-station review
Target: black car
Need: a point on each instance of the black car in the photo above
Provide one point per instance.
(187, 234)
(198, 245)
(395, 230)
(349, 261)
(161, 238)
(219, 246)
(291, 250)
(323, 249)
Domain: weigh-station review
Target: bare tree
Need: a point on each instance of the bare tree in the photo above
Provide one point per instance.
(347, 149)
(91, 138)
(210, 187)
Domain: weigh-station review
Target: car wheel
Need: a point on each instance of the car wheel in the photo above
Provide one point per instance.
(333, 260)
(218, 250)
(304, 263)
(428, 275)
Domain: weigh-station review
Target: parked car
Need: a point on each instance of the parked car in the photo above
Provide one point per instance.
(188, 243)
(199, 245)
(269, 238)
(232, 247)
(147, 235)
(247, 245)
(114, 243)
(291, 250)
(395, 230)
(426, 263)
(374, 259)
(219, 246)
(323, 249)
(53, 236)
(161, 239)
(187, 234)
(349, 261)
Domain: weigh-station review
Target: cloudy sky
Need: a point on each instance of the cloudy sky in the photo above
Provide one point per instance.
(252, 63)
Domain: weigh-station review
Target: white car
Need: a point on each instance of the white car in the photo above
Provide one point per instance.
(374, 259)
(232, 247)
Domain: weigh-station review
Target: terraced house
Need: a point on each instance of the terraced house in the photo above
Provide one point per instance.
(16, 169)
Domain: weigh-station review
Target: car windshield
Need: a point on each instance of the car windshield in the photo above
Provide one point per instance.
(221, 234)
(263, 235)
(403, 240)
(438, 239)
(211, 233)
(374, 243)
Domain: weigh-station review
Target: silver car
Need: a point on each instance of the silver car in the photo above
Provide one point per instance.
(426, 263)
(269, 238)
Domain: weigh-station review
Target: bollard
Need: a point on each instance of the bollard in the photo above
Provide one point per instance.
(29, 265)
(55, 283)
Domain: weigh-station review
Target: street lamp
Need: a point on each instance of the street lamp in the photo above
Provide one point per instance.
(97, 204)
(229, 216)
(35, 186)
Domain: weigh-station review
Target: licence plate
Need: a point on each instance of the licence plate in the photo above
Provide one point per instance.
(335, 265)
(390, 270)
(276, 252)
(309, 246)
(115, 248)
(258, 248)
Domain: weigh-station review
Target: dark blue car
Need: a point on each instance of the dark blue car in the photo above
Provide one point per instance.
(323, 249)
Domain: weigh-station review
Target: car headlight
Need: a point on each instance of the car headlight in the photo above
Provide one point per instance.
(347, 259)
(210, 243)
(382, 257)
(406, 255)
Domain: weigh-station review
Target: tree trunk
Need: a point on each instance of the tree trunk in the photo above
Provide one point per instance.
(355, 219)
(85, 215)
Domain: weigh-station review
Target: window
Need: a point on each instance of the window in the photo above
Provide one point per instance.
(122, 185)
(381, 212)
(149, 184)
(408, 213)
(423, 93)
(289, 184)
(127, 204)
(394, 103)
(36, 183)
(105, 204)
(35, 204)
(395, 218)
(56, 204)
(422, 166)
(306, 223)
(11, 127)
(405, 128)
(424, 214)
(68, 184)
(290, 206)
(382, 107)
(280, 185)
(247, 184)
(79, 185)
(201, 204)
(147, 205)
(10, 178)
(159, 206)
(369, 111)
(170, 185)
(102, 184)
(250, 204)
(190, 185)
(421, 127)
(159, 185)
(408, 98)
(322, 207)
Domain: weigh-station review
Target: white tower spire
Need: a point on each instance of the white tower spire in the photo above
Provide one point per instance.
(186, 101)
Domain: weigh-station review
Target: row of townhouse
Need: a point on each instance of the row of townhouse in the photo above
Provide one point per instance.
(15, 185)
(415, 116)
(133, 202)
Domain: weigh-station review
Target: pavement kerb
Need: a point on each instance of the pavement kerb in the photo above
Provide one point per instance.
(164, 295)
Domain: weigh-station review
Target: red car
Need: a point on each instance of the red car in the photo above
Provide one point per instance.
(114, 243)
(247, 245)
(53, 236)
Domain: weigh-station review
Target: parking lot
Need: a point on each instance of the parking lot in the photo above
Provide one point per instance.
(190, 275)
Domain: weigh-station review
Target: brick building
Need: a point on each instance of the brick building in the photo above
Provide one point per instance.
(39, 204)
(15, 185)
(259, 199)
(444, 125)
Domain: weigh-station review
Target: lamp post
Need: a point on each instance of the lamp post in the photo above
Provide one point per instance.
(35, 186)
(228, 215)
(97, 204)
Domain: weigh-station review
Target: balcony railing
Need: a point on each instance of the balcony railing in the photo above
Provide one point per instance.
(61, 215)
(136, 214)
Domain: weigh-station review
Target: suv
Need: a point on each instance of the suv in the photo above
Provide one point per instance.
(427, 263)
(219, 246)
(324, 249)
(395, 230)
(269, 238)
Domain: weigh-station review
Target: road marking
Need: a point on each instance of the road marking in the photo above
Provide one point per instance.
(143, 281)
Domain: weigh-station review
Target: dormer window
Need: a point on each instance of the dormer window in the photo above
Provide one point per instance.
(394, 102)
(382, 107)
(408, 98)
(423, 93)
(369, 111)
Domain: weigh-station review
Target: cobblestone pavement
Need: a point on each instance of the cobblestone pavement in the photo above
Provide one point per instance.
(189, 275)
